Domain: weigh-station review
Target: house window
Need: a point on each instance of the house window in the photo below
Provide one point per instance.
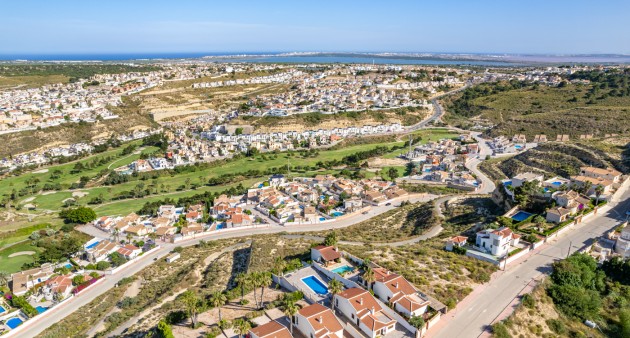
(353, 316)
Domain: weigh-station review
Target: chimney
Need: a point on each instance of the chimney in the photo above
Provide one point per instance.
(396, 285)
(373, 310)
(321, 320)
(361, 300)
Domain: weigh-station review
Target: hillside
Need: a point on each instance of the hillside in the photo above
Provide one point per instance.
(523, 108)
(130, 118)
(561, 159)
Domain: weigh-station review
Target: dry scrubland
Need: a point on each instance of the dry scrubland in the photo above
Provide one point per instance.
(543, 110)
(564, 159)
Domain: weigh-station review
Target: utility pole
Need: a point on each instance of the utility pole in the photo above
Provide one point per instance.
(570, 245)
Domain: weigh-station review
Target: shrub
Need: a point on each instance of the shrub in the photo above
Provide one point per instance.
(102, 265)
(500, 331)
(164, 330)
(556, 326)
(528, 301)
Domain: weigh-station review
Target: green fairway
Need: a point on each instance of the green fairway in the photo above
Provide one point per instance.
(66, 178)
(178, 185)
(13, 264)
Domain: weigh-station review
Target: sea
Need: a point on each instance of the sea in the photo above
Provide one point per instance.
(487, 60)
(251, 57)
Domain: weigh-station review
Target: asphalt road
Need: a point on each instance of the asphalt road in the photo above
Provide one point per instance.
(478, 310)
(437, 110)
(487, 186)
(50, 317)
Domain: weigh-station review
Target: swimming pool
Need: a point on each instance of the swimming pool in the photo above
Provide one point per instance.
(2, 310)
(556, 184)
(14, 322)
(518, 147)
(507, 183)
(342, 269)
(521, 216)
(315, 284)
(321, 219)
(337, 213)
(68, 265)
(41, 309)
(221, 226)
(92, 245)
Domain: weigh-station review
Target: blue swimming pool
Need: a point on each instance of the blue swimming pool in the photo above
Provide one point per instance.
(68, 265)
(556, 184)
(519, 147)
(41, 309)
(521, 216)
(507, 183)
(14, 322)
(221, 226)
(321, 219)
(2, 310)
(343, 269)
(315, 284)
(337, 214)
(92, 245)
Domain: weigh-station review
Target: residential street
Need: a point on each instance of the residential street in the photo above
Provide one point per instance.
(479, 309)
(57, 313)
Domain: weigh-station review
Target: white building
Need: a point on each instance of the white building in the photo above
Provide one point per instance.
(317, 320)
(360, 307)
(497, 242)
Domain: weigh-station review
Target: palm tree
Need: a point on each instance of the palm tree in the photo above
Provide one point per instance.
(115, 235)
(254, 281)
(4, 278)
(241, 326)
(335, 287)
(599, 190)
(279, 266)
(218, 299)
(129, 237)
(241, 280)
(369, 277)
(265, 281)
(192, 304)
(290, 309)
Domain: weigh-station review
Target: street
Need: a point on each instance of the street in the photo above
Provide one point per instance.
(55, 314)
(472, 316)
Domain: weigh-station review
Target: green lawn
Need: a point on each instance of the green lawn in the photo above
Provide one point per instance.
(13, 264)
(125, 207)
(66, 178)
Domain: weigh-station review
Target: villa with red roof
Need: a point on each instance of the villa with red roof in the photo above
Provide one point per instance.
(325, 254)
(318, 321)
(397, 291)
(273, 329)
(360, 307)
(497, 242)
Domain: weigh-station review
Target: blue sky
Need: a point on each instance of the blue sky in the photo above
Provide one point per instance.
(475, 26)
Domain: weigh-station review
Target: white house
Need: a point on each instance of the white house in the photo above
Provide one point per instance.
(317, 320)
(325, 254)
(363, 310)
(497, 242)
(519, 179)
(458, 241)
(622, 245)
(395, 290)
(130, 251)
